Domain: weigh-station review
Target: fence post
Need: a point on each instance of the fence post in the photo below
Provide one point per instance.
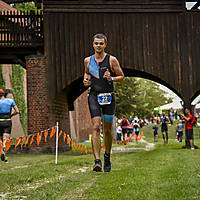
(56, 161)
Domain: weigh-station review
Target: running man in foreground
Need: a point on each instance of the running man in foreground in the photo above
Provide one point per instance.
(101, 70)
(6, 106)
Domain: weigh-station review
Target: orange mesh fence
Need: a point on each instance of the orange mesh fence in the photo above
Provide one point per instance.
(49, 133)
(17, 142)
(23, 141)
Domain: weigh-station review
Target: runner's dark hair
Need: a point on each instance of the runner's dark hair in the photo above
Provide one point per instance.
(100, 36)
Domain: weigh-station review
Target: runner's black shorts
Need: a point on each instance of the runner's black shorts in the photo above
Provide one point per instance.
(96, 109)
(155, 133)
(164, 129)
(124, 130)
(5, 127)
(189, 134)
(137, 133)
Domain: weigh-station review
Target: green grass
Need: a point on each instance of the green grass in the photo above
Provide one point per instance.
(167, 172)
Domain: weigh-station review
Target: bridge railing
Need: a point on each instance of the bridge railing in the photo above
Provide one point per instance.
(21, 29)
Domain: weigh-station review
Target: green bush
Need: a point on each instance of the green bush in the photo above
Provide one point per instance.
(2, 82)
(17, 81)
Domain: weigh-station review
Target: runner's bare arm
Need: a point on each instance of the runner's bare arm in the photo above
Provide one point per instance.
(16, 111)
(86, 79)
(168, 121)
(115, 66)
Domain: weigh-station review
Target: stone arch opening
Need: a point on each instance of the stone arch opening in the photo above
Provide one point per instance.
(78, 104)
(76, 88)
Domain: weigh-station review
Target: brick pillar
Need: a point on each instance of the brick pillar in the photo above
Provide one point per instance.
(37, 94)
(42, 113)
(58, 112)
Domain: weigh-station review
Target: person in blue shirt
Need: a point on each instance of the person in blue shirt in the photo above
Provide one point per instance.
(155, 132)
(6, 114)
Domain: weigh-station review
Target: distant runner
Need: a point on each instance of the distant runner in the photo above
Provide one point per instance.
(124, 124)
(6, 106)
(164, 128)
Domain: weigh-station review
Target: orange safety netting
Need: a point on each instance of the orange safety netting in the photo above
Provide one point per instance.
(74, 145)
(45, 135)
(23, 141)
(27, 140)
(64, 136)
(60, 133)
(32, 140)
(8, 144)
(53, 131)
(17, 142)
(38, 138)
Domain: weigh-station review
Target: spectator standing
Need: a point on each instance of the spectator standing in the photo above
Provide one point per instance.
(171, 115)
(136, 118)
(189, 121)
(130, 120)
(119, 133)
(159, 111)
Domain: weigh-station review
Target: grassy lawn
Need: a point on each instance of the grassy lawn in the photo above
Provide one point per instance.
(166, 172)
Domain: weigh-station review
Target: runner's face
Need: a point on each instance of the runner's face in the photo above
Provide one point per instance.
(99, 45)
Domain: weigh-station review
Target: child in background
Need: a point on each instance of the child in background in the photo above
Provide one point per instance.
(179, 131)
(155, 132)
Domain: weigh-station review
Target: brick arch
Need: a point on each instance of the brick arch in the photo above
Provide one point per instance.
(159, 43)
(76, 88)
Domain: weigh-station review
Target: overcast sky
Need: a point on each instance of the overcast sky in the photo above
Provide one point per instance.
(190, 4)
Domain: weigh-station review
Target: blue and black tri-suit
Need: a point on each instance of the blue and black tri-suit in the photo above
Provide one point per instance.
(5, 115)
(164, 125)
(101, 85)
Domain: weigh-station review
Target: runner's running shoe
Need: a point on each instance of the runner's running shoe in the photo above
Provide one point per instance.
(3, 155)
(97, 166)
(107, 163)
(6, 160)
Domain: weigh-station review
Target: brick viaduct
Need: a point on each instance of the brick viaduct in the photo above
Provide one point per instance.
(158, 40)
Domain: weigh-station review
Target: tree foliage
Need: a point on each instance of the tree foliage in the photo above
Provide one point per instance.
(28, 6)
(139, 97)
(2, 82)
(17, 81)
